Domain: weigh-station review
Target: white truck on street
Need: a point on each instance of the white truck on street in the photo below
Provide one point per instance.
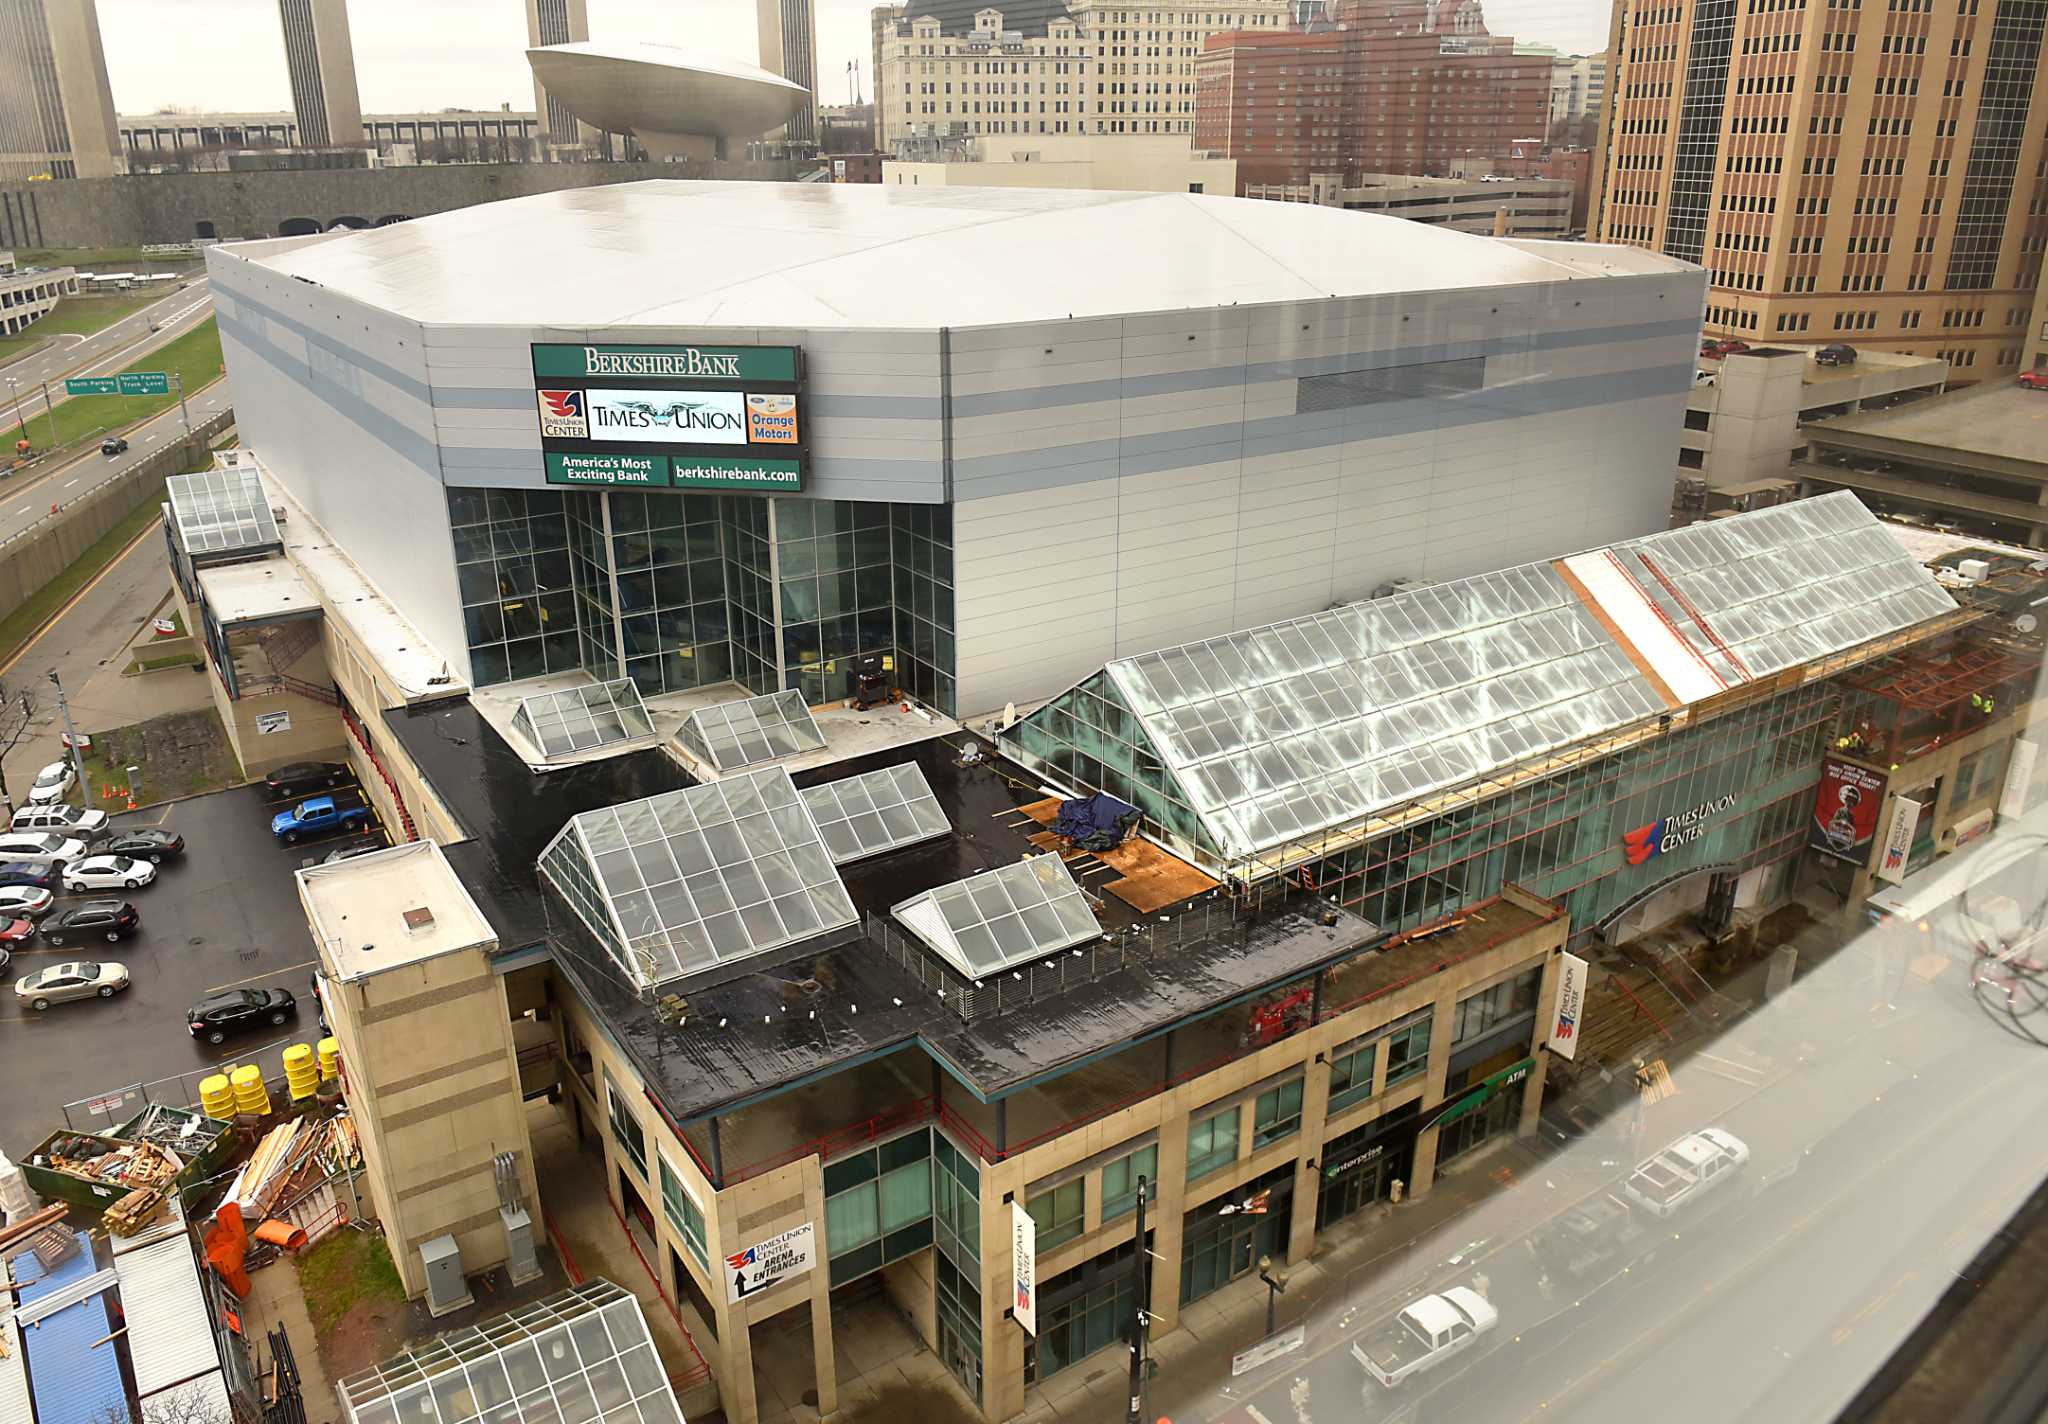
(1690, 1168)
(1424, 1334)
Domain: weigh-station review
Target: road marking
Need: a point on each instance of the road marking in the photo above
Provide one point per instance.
(69, 483)
(238, 983)
(91, 584)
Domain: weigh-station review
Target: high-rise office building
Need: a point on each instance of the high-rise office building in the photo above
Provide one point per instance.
(789, 47)
(958, 69)
(56, 106)
(553, 22)
(1846, 171)
(322, 62)
(1389, 86)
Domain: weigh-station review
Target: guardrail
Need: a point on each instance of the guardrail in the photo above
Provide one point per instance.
(205, 430)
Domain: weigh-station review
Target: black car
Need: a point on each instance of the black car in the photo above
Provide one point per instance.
(302, 777)
(216, 1016)
(112, 920)
(113, 445)
(24, 872)
(151, 845)
(1835, 353)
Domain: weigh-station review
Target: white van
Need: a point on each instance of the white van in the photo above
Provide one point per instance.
(64, 819)
(44, 846)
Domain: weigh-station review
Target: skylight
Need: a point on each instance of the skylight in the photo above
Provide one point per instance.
(876, 811)
(1001, 918)
(730, 735)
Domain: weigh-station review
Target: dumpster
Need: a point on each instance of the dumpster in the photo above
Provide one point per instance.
(202, 1143)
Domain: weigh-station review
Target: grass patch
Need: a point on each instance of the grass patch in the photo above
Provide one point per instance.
(98, 257)
(159, 664)
(179, 754)
(195, 356)
(348, 1269)
(13, 348)
(17, 627)
(83, 316)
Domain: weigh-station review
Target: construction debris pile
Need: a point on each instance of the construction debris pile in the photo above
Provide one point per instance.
(146, 1172)
(287, 1177)
(43, 1232)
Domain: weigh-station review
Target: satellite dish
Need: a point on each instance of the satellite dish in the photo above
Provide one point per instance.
(2025, 623)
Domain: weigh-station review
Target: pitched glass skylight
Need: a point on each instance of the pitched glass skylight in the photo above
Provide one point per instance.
(876, 811)
(582, 719)
(1003, 917)
(699, 877)
(221, 511)
(730, 735)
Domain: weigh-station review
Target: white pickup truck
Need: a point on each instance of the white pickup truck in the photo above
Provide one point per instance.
(1685, 1171)
(1424, 1334)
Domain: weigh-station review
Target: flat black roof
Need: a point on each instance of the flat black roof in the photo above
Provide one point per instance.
(768, 1023)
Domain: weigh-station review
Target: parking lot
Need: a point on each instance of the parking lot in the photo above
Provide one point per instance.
(224, 915)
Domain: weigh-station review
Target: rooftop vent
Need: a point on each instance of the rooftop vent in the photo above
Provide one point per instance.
(419, 921)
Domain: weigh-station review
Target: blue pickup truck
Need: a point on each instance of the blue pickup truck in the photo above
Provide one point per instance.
(317, 817)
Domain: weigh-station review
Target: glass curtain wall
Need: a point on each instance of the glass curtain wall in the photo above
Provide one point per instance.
(750, 597)
(666, 554)
(923, 594)
(832, 560)
(512, 565)
(590, 564)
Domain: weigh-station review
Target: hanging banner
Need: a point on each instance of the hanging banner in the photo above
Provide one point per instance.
(1024, 1267)
(1845, 811)
(1898, 839)
(1571, 1007)
(2019, 778)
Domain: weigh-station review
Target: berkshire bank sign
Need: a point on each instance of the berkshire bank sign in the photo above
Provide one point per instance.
(667, 363)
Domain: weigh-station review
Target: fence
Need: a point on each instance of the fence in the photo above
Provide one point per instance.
(110, 1109)
(33, 556)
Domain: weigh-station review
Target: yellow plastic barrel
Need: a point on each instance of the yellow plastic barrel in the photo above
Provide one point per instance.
(301, 1073)
(330, 1060)
(216, 1098)
(250, 1094)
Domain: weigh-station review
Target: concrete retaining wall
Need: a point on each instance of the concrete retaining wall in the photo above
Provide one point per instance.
(177, 207)
(44, 551)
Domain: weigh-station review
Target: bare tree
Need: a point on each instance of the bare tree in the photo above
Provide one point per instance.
(186, 1404)
(17, 713)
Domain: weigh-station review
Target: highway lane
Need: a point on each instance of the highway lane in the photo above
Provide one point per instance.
(26, 499)
(66, 355)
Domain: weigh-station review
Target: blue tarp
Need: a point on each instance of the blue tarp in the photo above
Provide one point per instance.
(73, 1382)
(1098, 822)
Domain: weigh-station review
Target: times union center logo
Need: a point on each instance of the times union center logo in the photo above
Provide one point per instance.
(562, 415)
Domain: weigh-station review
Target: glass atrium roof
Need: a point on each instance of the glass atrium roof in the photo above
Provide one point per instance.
(730, 735)
(1783, 586)
(703, 876)
(876, 811)
(581, 719)
(1301, 726)
(1003, 917)
(1277, 734)
(580, 1357)
(220, 511)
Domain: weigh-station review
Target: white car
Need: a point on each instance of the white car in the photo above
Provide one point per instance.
(108, 872)
(24, 902)
(47, 844)
(77, 980)
(1685, 1171)
(71, 820)
(51, 783)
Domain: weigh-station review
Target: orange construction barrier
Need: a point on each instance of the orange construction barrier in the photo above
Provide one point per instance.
(227, 1242)
(281, 1234)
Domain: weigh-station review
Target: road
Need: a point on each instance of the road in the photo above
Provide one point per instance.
(26, 498)
(99, 354)
(1882, 1159)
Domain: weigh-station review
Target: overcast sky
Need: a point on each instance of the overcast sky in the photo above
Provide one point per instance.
(228, 55)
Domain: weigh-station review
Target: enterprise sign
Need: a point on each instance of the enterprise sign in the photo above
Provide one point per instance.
(722, 417)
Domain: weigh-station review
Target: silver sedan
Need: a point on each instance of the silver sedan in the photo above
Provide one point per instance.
(81, 979)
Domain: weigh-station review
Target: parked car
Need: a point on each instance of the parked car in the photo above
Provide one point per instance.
(25, 902)
(1835, 353)
(1424, 1334)
(27, 874)
(46, 844)
(1716, 347)
(114, 444)
(81, 979)
(301, 777)
(60, 816)
(319, 816)
(2034, 380)
(113, 920)
(108, 872)
(350, 852)
(1686, 1171)
(13, 935)
(218, 1015)
(150, 844)
(51, 783)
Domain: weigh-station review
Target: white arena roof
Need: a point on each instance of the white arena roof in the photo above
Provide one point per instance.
(669, 253)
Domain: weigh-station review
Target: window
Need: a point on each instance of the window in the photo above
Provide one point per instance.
(1408, 1049)
(1278, 1113)
(1351, 1077)
(1058, 1213)
(625, 1127)
(878, 1206)
(1212, 1143)
(1481, 1013)
(682, 1213)
(1120, 1180)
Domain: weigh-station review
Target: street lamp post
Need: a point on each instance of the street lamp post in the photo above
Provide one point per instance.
(14, 390)
(1276, 1286)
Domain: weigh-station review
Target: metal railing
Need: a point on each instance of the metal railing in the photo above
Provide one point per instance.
(204, 431)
